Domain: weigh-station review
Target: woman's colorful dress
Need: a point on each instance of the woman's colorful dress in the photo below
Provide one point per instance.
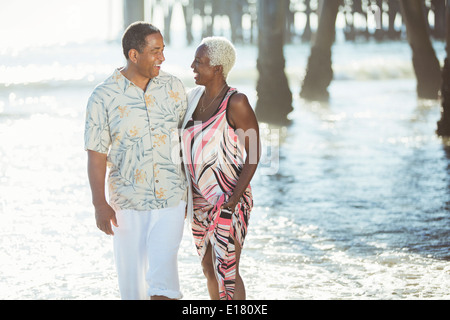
(215, 157)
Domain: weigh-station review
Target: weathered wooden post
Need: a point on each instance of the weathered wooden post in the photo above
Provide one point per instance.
(443, 125)
(235, 10)
(426, 65)
(319, 72)
(307, 33)
(188, 12)
(133, 10)
(392, 14)
(168, 9)
(274, 96)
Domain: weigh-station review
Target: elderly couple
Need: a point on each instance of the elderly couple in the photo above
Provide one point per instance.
(135, 121)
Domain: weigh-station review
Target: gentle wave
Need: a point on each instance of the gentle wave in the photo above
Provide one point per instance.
(88, 64)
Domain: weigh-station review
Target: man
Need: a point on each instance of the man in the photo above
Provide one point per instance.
(132, 123)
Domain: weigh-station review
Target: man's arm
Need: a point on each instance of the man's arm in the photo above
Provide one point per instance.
(104, 214)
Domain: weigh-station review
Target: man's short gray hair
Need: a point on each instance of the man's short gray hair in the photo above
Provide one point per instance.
(221, 52)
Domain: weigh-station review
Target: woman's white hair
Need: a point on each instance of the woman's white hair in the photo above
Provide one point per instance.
(221, 52)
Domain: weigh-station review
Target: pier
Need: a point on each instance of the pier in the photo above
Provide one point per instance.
(271, 24)
(362, 20)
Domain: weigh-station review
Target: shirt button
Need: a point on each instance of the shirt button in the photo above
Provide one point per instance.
(157, 181)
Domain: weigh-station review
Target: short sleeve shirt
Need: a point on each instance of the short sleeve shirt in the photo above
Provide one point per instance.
(139, 132)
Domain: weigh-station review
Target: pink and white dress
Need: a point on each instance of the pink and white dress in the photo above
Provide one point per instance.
(214, 158)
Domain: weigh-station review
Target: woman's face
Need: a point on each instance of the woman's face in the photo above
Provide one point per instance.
(203, 72)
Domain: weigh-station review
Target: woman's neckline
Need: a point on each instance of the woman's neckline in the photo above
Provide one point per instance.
(213, 114)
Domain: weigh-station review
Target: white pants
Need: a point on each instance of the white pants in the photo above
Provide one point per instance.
(146, 247)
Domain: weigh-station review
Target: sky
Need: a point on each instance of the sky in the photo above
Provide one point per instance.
(25, 23)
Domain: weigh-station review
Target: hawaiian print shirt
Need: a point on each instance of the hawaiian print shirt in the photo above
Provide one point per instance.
(139, 132)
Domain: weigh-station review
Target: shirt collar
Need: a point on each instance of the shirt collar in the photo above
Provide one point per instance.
(124, 83)
(121, 81)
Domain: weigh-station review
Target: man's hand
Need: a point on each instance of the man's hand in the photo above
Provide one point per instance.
(104, 216)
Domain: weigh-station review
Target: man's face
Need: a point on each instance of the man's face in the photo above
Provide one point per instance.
(150, 59)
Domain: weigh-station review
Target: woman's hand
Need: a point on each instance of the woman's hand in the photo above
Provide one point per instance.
(230, 204)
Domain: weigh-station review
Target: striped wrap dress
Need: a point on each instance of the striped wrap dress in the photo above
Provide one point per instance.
(214, 158)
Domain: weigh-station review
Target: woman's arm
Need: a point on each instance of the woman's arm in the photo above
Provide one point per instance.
(243, 119)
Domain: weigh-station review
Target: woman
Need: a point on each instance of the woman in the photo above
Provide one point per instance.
(221, 153)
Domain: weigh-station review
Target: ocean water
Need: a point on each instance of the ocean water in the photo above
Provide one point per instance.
(352, 199)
